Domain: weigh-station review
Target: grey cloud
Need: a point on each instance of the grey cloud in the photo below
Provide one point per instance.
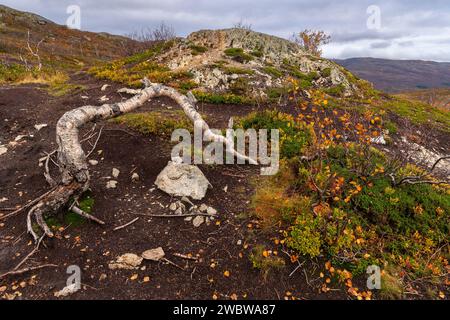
(421, 26)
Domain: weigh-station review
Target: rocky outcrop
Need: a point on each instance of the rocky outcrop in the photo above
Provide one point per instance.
(251, 63)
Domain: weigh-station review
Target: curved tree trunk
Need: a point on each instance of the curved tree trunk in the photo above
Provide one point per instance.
(72, 159)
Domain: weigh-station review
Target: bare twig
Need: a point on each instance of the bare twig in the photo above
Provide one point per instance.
(126, 224)
(25, 270)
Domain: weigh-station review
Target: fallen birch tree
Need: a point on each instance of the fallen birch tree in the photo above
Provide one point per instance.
(72, 160)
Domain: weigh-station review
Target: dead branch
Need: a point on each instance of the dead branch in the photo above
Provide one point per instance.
(25, 270)
(126, 224)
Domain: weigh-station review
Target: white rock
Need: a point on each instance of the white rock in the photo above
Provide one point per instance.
(134, 177)
(84, 97)
(111, 184)
(225, 189)
(67, 291)
(211, 211)
(188, 219)
(115, 173)
(379, 140)
(128, 261)
(203, 208)
(198, 221)
(153, 254)
(104, 99)
(93, 162)
(40, 126)
(19, 137)
(173, 206)
(3, 199)
(104, 87)
(3, 150)
(182, 180)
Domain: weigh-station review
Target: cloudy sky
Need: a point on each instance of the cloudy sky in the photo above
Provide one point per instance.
(401, 29)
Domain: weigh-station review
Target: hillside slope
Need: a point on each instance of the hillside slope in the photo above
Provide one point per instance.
(61, 47)
(394, 76)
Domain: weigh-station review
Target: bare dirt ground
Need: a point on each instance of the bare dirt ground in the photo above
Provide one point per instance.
(224, 245)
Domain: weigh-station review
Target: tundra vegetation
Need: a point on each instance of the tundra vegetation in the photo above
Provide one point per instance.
(337, 199)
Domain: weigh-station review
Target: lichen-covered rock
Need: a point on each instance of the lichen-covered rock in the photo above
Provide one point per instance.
(251, 63)
(182, 180)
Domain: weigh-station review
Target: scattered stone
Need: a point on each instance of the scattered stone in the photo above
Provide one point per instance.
(179, 212)
(67, 291)
(3, 199)
(115, 173)
(182, 180)
(198, 221)
(188, 219)
(84, 97)
(153, 254)
(203, 208)
(111, 184)
(38, 127)
(135, 177)
(173, 206)
(103, 276)
(19, 137)
(3, 150)
(104, 99)
(104, 87)
(225, 189)
(239, 242)
(186, 200)
(211, 211)
(128, 261)
(93, 162)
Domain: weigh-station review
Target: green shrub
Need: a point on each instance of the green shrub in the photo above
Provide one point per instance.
(197, 50)
(215, 98)
(274, 72)
(238, 54)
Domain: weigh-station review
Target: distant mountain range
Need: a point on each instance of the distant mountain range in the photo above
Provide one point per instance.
(394, 76)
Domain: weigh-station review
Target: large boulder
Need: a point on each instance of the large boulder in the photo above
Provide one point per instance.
(182, 180)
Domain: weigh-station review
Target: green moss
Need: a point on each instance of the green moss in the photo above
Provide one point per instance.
(237, 70)
(197, 50)
(294, 136)
(158, 123)
(215, 98)
(274, 72)
(239, 86)
(336, 91)
(262, 260)
(418, 112)
(238, 54)
(326, 73)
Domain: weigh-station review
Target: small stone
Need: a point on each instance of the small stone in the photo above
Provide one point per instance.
(179, 211)
(188, 219)
(225, 189)
(111, 184)
(128, 261)
(211, 211)
(173, 206)
(104, 87)
(67, 291)
(239, 242)
(84, 97)
(203, 208)
(38, 127)
(198, 221)
(115, 173)
(135, 177)
(104, 99)
(93, 162)
(153, 254)
(3, 150)
(103, 276)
